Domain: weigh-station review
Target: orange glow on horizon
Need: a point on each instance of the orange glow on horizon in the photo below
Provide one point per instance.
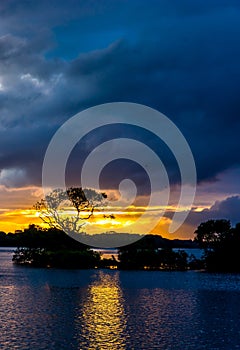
(16, 215)
(11, 220)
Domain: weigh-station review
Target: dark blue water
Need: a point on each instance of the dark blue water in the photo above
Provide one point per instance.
(112, 310)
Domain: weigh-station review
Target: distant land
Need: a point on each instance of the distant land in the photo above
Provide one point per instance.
(18, 239)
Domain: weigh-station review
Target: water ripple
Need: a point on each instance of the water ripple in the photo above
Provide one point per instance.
(111, 310)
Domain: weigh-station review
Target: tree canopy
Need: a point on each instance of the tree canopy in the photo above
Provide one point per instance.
(221, 243)
(212, 232)
(69, 209)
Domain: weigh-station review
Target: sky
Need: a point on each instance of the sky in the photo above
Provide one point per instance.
(179, 57)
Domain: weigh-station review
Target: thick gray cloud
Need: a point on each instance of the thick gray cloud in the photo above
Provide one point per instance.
(227, 209)
(58, 58)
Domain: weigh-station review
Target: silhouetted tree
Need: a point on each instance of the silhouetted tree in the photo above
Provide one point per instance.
(212, 232)
(69, 210)
(221, 243)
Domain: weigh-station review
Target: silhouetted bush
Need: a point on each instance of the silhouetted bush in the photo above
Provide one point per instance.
(41, 257)
(139, 256)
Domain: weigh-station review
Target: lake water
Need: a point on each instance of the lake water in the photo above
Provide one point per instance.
(117, 310)
(108, 253)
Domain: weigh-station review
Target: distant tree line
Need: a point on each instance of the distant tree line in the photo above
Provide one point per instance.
(51, 247)
(35, 236)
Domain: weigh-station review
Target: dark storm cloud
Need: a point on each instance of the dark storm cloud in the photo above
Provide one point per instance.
(21, 154)
(181, 58)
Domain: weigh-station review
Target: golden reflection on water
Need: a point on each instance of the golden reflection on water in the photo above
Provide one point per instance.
(103, 314)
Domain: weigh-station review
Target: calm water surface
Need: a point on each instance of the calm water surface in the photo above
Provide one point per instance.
(112, 310)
